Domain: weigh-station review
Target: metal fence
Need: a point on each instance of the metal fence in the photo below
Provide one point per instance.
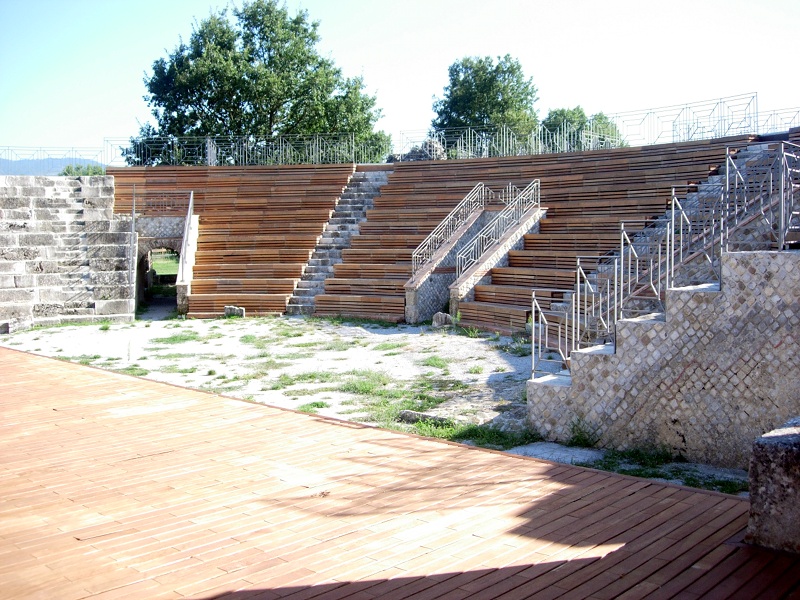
(733, 115)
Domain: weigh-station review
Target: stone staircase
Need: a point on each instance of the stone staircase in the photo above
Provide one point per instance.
(64, 257)
(350, 210)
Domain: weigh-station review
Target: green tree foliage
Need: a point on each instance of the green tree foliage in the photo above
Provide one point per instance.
(484, 94)
(82, 170)
(259, 75)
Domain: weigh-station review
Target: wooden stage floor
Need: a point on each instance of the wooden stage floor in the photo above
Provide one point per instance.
(117, 487)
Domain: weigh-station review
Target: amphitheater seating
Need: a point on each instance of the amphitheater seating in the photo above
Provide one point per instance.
(587, 194)
(258, 227)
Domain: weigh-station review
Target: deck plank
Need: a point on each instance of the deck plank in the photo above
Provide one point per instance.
(116, 487)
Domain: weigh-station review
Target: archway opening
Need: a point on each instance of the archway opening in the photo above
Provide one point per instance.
(156, 289)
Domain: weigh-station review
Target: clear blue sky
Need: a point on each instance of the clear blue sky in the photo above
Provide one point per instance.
(71, 71)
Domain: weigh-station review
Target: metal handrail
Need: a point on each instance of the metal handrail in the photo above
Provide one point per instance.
(475, 200)
(594, 309)
(187, 230)
(548, 335)
(510, 216)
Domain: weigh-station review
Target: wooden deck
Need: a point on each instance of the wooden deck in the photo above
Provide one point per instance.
(117, 487)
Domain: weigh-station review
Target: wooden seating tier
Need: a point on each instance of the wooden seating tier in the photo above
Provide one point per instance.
(258, 227)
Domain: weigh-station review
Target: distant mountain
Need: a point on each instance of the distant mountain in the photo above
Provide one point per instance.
(41, 166)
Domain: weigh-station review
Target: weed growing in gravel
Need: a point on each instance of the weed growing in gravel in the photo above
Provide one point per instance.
(186, 336)
(134, 370)
(343, 320)
(83, 359)
(582, 434)
(475, 370)
(383, 346)
(105, 326)
(434, 361)
(479, 435)
(176, 369)
(660, 463)
(313, 407)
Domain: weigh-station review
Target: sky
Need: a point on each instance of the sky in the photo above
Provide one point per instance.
(72, 71)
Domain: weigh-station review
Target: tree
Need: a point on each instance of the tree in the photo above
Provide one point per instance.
(79, 170)
(259, 76)
(482, 94)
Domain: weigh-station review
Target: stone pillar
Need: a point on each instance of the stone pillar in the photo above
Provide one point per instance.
(775, 489)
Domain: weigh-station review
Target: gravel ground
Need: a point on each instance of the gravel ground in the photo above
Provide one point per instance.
(303, 364)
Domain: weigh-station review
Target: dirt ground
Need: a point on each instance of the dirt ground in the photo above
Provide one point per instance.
(348, 370)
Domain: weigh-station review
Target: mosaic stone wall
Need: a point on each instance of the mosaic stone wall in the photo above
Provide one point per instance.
(716, 372)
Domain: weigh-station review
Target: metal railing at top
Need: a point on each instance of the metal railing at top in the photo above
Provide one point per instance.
(468, 142)
(517, 204)
(242, 150)
(47, 161)
(475, 200)
(161, 203)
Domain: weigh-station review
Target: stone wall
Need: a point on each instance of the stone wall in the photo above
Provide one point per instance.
(64, 254)
(718, 370)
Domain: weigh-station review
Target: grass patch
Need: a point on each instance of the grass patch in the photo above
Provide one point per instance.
(660, 463)
(475, 370)
(344, 320)
(479, 435)
(83, 359)
(383, 346)
(434, 361)
(164, 263)
(582, 434)
(176, 369)
(105, 326)
(186, 336)
(313, 407)
(134, 370)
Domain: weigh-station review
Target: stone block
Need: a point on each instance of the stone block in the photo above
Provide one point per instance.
(113, 292)
(775, 489)
(109, 278)
(37, 239)
(47, 310)
(8, 239)
(42, 266)
(107, 238)
(19, 254)
(17, 296)
(234, 311)
(108, 264)
(115, 307)
(98, 202)
(98, 214)
(14, 202)
(108, 252)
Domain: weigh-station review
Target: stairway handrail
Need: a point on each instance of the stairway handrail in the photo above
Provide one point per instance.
(540, 335)
(475, 200)
(511, 215)
(183, 266)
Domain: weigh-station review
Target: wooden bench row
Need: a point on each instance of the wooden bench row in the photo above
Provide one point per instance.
(383, 308)
(365, 287)
(220, 241)
(244, 286)
(245, 270)
(204, 306)
(260, 255)
(400, 272)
